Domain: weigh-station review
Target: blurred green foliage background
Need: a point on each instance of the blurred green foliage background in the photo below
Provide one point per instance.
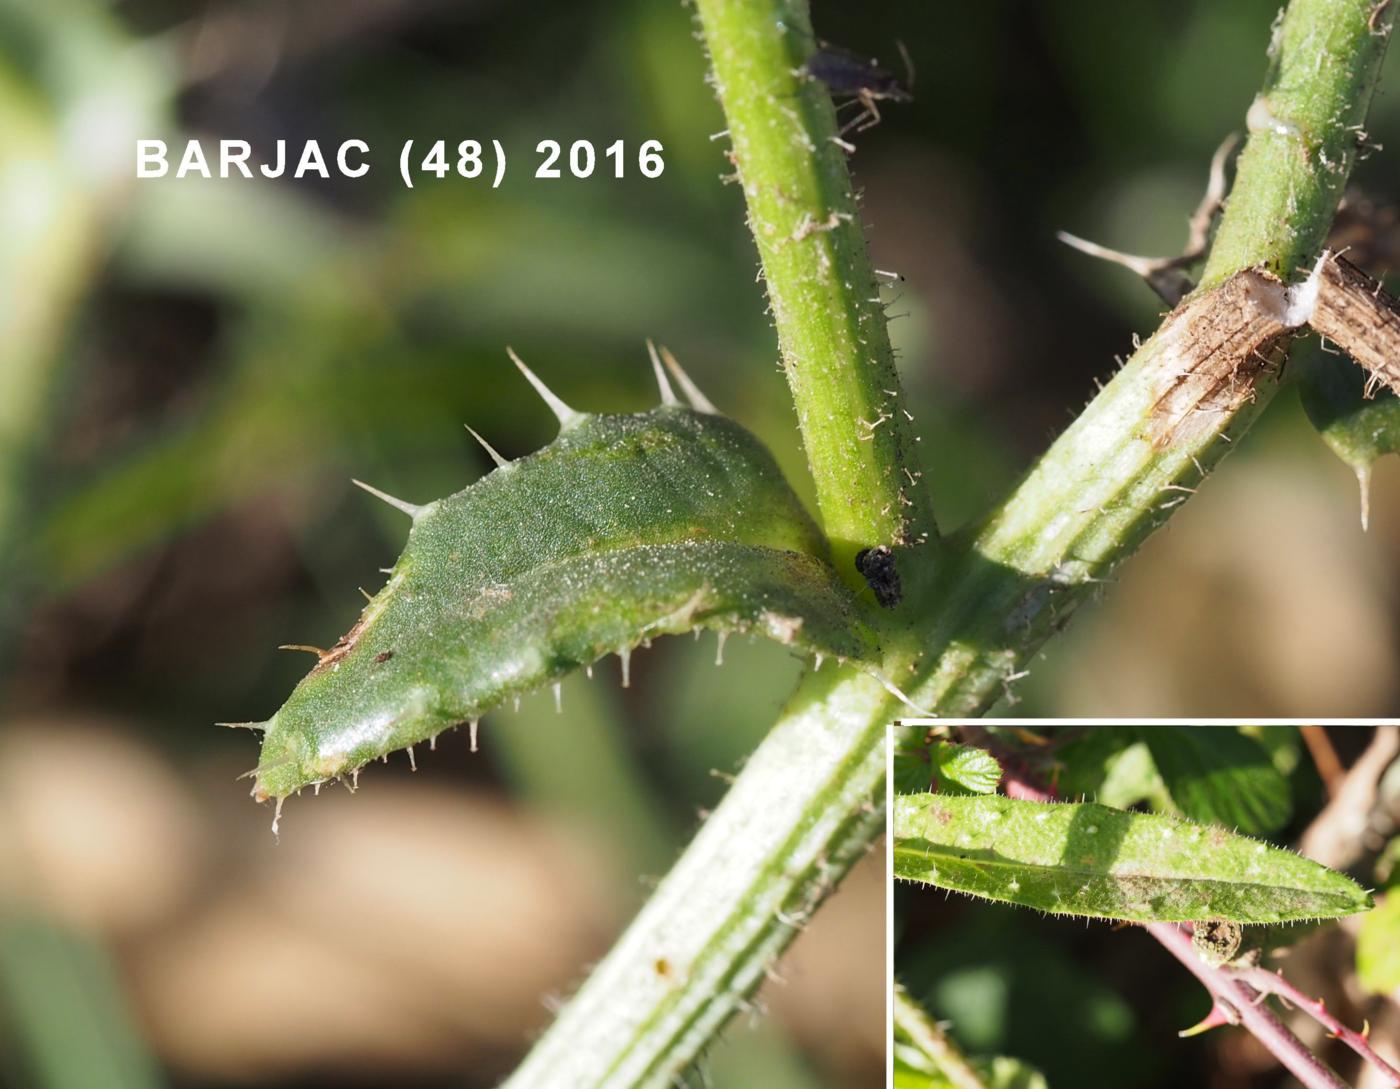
(191, 371)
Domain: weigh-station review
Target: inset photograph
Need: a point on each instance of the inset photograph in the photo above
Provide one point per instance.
(1145, 905)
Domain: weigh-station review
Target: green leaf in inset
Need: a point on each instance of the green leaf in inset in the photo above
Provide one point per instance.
(1219, 776)
(947, 767)
(1106, 863)
(1358, 428)
(623, 528)
(963, 769)
(1378, 947)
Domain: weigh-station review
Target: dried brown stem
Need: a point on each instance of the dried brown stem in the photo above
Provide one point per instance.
(1324, 757)
(1337, 836)
(1363, 319)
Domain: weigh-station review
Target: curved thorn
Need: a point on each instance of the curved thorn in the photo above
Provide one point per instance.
(1143, 266)
(1199, 225)
(304, 646)
(697, 399)
(410, 509)
(566, 415)
(668, 395)
(501, 462)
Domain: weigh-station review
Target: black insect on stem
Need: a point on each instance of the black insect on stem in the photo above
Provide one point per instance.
(863, 80)
(877, 566)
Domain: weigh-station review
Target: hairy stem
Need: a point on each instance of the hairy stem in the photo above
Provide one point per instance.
(825, 301)
(911, 1021)
(807, 805)
(801, 810)
(1305, 127)
(1144, 443)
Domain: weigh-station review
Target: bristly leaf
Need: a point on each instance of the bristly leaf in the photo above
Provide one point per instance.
(623, 528)
(1219, 776)
(1107, 863)
(963, 769)
(1358, 428)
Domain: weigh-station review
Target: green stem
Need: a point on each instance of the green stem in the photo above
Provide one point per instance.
(1154, 432)
(915, 1025)
(1304, 130)
(825, 301)
(802, 809)
(807, 805)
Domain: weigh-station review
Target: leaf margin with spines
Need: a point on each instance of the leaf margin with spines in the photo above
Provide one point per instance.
(1134, 901)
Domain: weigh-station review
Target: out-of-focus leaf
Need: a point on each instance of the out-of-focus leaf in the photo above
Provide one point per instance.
(1388, 865)
(1005, 1072)
(1091, 860)
(1359, 429)
(66, 1014)
(1009, 987)
(1111, 767)
(1282, 743)
(622, 529)
(74, 91)
(1378, 947)
(912, 771)
(1219, 776)
(929, 1056)
(1001, 1072)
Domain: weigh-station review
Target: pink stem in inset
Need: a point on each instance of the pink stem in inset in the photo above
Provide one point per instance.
(1240, 991)
(1266, 982)
(1249, 1006)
